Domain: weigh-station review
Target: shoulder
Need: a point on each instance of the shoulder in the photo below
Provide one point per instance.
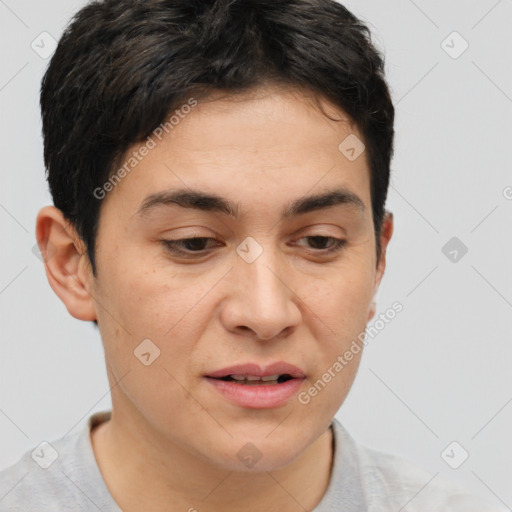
(388, 482)
(56, 475)
(38, 481)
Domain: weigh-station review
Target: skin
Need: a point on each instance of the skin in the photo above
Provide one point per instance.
(172, 442)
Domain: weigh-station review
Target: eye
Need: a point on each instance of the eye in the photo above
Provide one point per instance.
(199, 246)
(327, 244)
(190, 246)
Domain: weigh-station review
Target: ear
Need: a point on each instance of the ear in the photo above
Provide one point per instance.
(385, 236)
(66, 263)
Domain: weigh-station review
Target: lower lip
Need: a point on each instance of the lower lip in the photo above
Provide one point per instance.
(260, 396)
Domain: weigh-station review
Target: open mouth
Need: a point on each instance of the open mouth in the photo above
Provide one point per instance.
(253, 380)
(254, 386)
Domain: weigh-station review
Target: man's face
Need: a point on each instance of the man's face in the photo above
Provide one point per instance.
(288, 294)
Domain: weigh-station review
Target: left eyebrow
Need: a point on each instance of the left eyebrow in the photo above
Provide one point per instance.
(196, 199)
(324, 200)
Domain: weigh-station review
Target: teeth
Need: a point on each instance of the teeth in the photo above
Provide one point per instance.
(252, 378)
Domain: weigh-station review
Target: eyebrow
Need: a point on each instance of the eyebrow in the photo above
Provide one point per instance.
(199, 200)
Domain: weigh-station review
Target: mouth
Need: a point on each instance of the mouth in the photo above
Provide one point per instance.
(256, 387)
(250, 374)
(254, 380)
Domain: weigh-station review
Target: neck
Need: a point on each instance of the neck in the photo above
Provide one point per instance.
(142, 474)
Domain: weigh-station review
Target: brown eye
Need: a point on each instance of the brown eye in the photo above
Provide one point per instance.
(189, 245)
(324, 243)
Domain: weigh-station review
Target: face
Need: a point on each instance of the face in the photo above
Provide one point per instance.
(244, 237)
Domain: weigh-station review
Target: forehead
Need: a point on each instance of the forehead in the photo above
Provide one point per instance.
(267, 121)
(271, 143)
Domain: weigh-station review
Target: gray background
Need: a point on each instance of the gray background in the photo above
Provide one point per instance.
(440, 371)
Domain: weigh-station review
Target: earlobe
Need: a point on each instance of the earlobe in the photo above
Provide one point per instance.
(372, 311)
(66, 263)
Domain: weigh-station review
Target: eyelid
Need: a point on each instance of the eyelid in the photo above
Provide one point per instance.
(337, 244)
(173, 246)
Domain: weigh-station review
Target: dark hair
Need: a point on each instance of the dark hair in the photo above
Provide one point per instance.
(123, 65)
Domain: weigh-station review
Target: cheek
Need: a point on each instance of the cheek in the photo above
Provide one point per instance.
(146, 301)
(342, 302)
(157, 390)
(169, 309)
(341, 307)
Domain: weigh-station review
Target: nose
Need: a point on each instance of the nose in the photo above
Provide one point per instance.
(261, 301)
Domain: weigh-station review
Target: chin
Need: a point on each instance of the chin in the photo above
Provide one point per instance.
(256, 455)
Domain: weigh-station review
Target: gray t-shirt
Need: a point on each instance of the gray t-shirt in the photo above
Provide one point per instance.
(63, 476)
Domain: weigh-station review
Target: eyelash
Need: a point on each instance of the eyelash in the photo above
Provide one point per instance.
(173, 245)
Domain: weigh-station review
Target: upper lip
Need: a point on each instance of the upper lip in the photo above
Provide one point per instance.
(279, 368)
